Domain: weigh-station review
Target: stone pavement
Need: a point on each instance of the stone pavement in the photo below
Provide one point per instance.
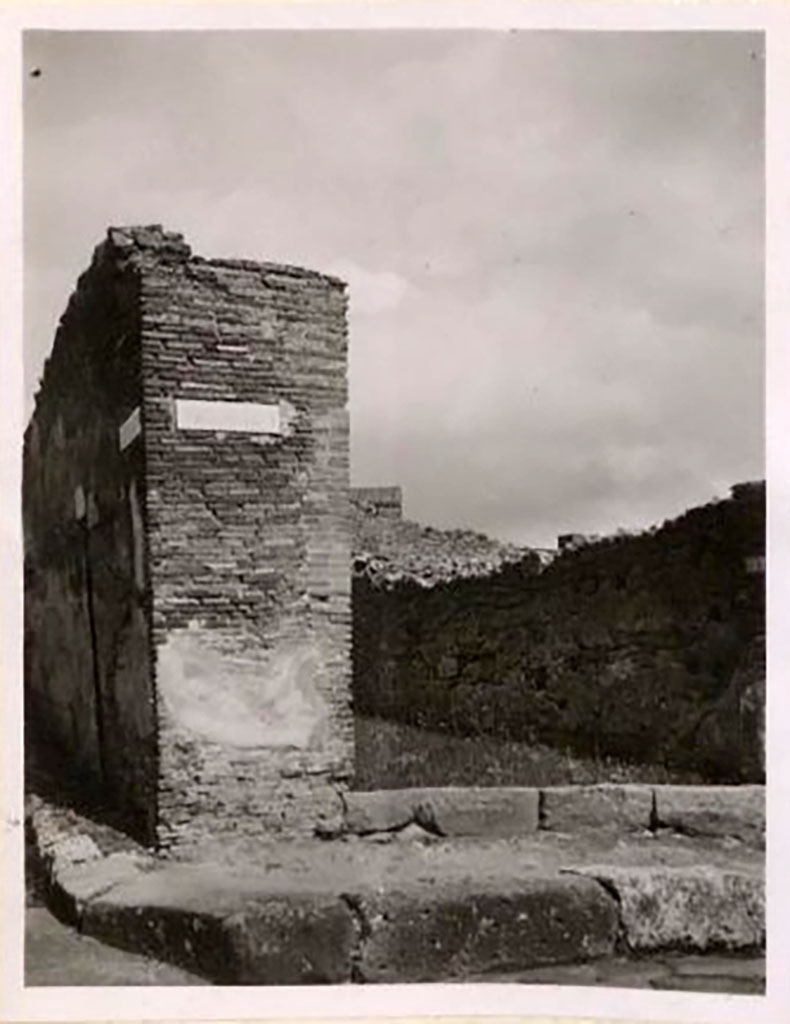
(407, 905)
(732, 975)
(58, 955)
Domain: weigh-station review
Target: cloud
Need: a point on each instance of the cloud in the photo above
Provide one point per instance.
(370, 291)
(553, 240)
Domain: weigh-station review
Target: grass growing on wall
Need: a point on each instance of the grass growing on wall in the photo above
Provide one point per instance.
(391, 755)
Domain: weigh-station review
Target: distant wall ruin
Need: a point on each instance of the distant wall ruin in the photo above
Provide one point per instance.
(647, 648)
(382, 501)
(186, 510)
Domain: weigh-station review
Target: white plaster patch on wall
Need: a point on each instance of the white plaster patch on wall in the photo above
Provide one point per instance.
(228, 417)
(271, 700)
(129, 429)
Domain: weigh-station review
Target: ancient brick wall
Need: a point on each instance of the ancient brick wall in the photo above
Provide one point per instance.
(87, 678)
(249, 539)
(201, 406)
(648, 648)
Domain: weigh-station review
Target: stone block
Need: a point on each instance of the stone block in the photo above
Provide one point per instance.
(446, 932)
(485, 812)
(292, 941)
(700, 909)
(195, 942)
(568, 808)
(382, 810)
(445, 811)
(87, 880)
(73, 885)
(226, 934)
(737, 811)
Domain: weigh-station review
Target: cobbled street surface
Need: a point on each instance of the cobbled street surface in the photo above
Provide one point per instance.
(58, 955)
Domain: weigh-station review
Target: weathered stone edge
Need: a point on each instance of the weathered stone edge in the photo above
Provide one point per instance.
(695, 810)
(664, 908)
(356, 935)
(338, 932)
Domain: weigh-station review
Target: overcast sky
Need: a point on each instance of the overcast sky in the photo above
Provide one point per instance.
(554, 241)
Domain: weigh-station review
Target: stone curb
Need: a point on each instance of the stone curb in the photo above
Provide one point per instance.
(690, 908)
(509, 811)
(415, 936)
(737, 811)
(252, 934)
(445, 811)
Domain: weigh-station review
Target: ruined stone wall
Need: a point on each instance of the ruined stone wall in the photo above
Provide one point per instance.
(392, 549)
(187, 525)
(382, 501)
(249, 539)
(87, 672)
(649, 648)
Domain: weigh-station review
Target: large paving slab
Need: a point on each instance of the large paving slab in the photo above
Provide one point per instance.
(697, 908)
(404, 920)
(419, 936)
(246, 937)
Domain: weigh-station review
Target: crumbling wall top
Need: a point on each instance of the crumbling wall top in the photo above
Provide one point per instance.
(389, 550)
(381, 501)
(152, 240)
(151, 236)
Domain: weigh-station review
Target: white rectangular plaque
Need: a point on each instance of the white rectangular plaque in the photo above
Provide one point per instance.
(129, 429)
(230, 417)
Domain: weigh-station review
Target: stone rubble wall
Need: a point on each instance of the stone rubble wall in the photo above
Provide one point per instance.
(648, 648)
(389, 550)
(381, 501)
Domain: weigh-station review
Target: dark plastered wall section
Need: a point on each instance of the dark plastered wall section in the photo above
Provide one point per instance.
(88, 693)
(649, 648)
